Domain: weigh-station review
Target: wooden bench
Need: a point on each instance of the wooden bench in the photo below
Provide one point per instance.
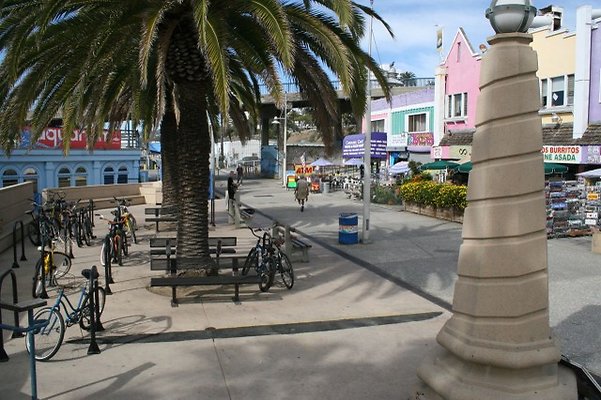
(291, 242)
(168, 245)
(160, 214)
(301, 246)
(174, 264)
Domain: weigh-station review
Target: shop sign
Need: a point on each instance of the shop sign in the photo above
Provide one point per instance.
(460, 152)
(425, 139)
(563, 154)
(52, 138)
(591, 155)
(396, 140)
(303, 169)
(592, 196)
(352, 145)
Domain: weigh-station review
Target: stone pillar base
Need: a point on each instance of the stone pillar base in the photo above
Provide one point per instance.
(447, 377)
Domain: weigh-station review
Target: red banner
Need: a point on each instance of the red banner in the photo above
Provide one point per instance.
(52, 138)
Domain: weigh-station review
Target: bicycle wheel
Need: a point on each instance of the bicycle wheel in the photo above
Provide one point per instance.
(286, 271)
(106, 251)
(37, 287)
(33, 232)
(84, 320)
(62, 264)
(88, 233)
(252, 260)
(132, 226)
(76, 233)
(267, 273)
(48, 339)
(118, 249)
(125, 245)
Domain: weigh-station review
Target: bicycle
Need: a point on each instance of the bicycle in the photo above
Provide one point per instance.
(261, 258)
(50, 335)
(283, 264)
(129, 221)
(117, 240)
(51, 266)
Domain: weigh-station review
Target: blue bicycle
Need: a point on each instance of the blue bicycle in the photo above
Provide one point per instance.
(51, 333)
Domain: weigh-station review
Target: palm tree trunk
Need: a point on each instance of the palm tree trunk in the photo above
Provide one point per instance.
(169, 153)
(193, 169)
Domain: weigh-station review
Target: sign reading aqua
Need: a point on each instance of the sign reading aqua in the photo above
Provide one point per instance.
(564, 154)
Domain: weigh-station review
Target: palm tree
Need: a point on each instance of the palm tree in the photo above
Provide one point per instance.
(408, 78)
(180, 62)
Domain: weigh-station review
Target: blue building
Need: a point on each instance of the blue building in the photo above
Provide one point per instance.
(45, 163)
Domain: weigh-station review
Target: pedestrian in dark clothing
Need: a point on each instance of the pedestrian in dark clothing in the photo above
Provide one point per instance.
(361, 171)
(240, 172)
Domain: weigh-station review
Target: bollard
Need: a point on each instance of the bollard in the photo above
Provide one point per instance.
(237, 218)
(93, 348)
(23, 258)
(91, 211)
(287, 241)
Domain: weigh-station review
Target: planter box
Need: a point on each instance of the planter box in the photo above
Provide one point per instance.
(449, 214)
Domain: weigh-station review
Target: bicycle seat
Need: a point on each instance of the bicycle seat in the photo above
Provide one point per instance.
(86, 273)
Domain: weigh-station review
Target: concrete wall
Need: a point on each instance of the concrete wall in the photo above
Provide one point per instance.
(101, 194)
(15, 202)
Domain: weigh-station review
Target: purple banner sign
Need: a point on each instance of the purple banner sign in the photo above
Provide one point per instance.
(352, 145)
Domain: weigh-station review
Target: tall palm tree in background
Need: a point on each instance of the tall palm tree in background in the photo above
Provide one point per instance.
(408, 78)
(176, 64)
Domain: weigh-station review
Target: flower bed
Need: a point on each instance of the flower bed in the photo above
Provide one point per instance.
(437, 200)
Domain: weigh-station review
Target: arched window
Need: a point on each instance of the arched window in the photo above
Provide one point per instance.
(122, 175)
(109, 175)
(81, 176)
(31, 174)
(9, 177)
(64, 177)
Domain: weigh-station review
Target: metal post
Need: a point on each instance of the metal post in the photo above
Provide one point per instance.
(93, 348)
(32, 370)
(367, 147)
(285, 138)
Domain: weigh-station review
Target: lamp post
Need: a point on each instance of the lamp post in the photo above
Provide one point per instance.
(284, 120)
(498, 343)
(367, 148)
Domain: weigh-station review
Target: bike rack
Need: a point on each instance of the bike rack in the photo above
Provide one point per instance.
(23, 258)
(95, 324)
(91, 211)
(108, 269)
(13, 277)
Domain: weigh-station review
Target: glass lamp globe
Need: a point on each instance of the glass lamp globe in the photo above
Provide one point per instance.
(509, 16)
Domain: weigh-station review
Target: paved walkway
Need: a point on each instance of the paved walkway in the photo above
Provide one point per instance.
(355, 326)
(342, 332)
(421, 253)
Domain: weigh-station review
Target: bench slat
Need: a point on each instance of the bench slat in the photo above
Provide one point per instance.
(160, 219)
(300, 243)
(227, 241)
(225, 262)
(205, 280)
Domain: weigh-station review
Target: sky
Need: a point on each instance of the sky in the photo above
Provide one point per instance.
(414, 24)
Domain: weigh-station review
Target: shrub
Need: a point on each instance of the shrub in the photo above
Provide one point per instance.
(429, 193)
(385, 195)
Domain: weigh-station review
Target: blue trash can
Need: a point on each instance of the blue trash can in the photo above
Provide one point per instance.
(347, 232)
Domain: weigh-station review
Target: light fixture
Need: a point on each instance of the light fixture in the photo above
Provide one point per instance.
(507, 16)
(556, 119)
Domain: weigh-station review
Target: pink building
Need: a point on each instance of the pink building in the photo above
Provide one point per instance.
(456, 96)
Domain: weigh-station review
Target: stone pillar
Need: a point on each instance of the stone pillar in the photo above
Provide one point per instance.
(498, 343)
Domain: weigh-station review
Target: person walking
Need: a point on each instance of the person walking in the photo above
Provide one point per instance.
(302, 191)
(240, 172)
(231, 193)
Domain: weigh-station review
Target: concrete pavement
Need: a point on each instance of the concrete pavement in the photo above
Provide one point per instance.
(421, 253)
(342, 332)
(355, 326)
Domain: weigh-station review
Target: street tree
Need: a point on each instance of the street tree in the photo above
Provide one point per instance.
(176, 64)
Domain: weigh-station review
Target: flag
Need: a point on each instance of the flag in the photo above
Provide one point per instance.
(303, 160)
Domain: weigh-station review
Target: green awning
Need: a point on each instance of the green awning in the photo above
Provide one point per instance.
(440, 164)
(550, 168)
